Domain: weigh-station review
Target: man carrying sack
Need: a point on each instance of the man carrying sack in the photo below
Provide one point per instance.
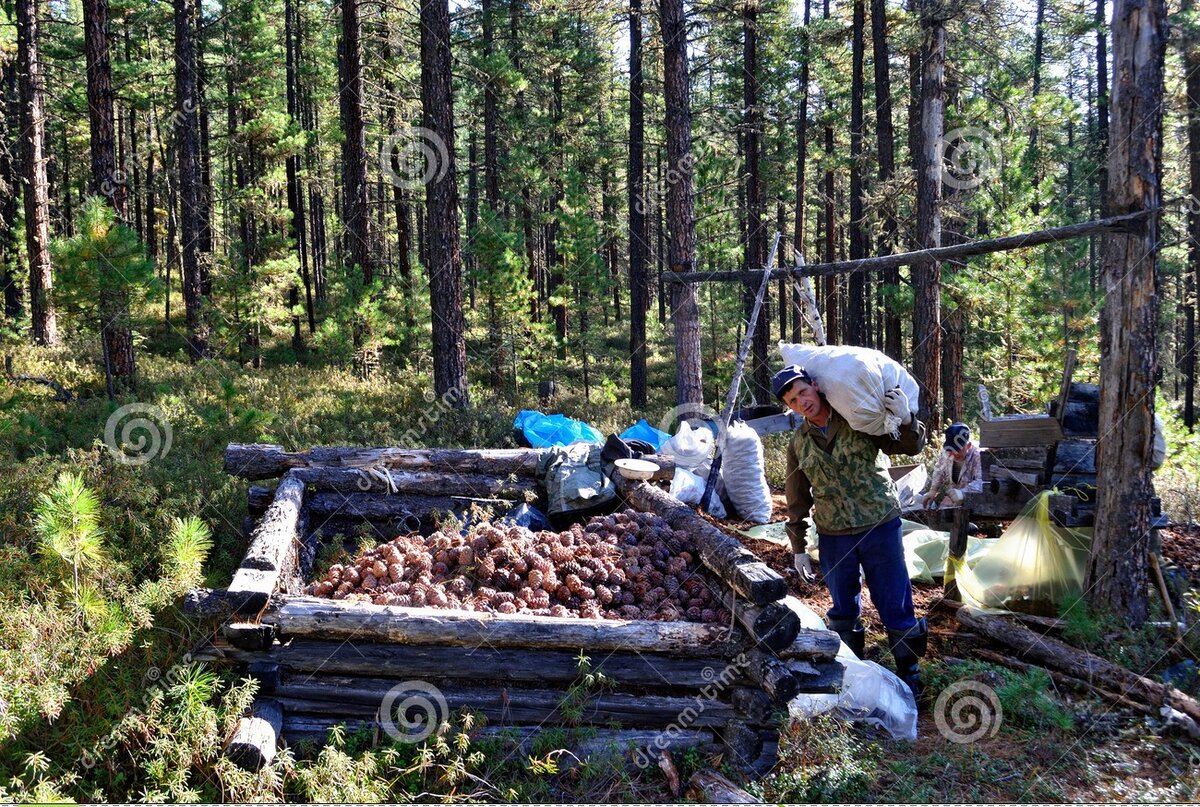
(841, 476)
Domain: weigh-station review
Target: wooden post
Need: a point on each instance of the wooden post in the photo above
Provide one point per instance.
(254, 740)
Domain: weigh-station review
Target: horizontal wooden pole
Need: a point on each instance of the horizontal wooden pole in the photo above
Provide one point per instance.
(640, 671)
(1126, 222)
(505, 704)
(428, 483)
(265, 461)
(316, 617)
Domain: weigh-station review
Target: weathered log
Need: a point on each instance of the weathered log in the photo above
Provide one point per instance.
(428, 661)
(593, 741)
(1079, 663)
(773, 676)
(499, 704)
(263, 461)
(818, 677)
(253, 744)
(754, 705)
(723, 554)
(315, 617)
(207, 602)
(272, 553)
(1064, 680)
(406, 506)
(429, 483)
(772, 625)
(710, 787)
(813, 641)
(249, 635)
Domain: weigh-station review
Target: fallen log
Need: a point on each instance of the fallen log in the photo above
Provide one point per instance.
(723, 554)
(264, 461)
(429, 483)
(1064, 680)
(320, 618)
(254, 741)
(1078, 663)
(712, 788)
(372, 505)
(272, 553)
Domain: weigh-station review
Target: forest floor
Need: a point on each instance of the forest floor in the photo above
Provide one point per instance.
(84, 715)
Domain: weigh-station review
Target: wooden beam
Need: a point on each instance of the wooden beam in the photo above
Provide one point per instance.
(429, 483)
(316, 617)
(1128, 222)
(272, 552)
(265, 461)
(624, 669)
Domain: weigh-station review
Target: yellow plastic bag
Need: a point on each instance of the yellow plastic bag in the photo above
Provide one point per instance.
(1033, 567)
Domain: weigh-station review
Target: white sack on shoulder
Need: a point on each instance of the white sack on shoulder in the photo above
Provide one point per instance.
(854, 380)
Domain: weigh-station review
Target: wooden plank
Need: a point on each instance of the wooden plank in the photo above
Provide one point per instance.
(633, 670)
(265, 461)
(316, 617)
(723, 554)
(1019, 430)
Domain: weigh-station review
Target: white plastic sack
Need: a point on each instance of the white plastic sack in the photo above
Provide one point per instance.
(691, 448)
(744, 471)
(870, 693)
(688, 488)
(854, 380)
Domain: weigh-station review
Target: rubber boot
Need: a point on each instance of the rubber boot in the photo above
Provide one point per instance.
(852, 633)
(908, 646)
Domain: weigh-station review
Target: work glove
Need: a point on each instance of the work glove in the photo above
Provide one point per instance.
(956, 495)
(805, 568)
(896, 402)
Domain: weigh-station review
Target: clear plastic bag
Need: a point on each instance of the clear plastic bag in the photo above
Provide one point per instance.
(691, 448)
(870, 693)
(1033, 567)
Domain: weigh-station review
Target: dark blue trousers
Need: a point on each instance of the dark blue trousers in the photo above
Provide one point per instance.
(880, 552)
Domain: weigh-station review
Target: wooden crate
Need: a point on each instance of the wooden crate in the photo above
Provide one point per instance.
(321, 662)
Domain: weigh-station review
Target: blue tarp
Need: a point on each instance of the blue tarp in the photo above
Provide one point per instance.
(646, 433)
(543, 431)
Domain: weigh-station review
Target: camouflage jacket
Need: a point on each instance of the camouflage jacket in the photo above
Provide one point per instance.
(842, 477)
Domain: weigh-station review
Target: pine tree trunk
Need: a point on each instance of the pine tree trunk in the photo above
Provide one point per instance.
(638, 233)
(886, 146)
(296, 229)
(1191, 63)
(1102, 106)
(187, 168)
(10, 128)
(44, 323)
(114, 306)
(357, 212)
(756, 252)
(681, 204)
(927, 342)
(1116, 580)
(801, 173)
(856, 325)
(1032, 156)
(441, 201)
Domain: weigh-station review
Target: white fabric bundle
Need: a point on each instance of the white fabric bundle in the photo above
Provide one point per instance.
(854, 380)
(743, 470)
(691, 448)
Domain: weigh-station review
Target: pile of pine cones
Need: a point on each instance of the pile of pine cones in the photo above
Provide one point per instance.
(628, 565)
